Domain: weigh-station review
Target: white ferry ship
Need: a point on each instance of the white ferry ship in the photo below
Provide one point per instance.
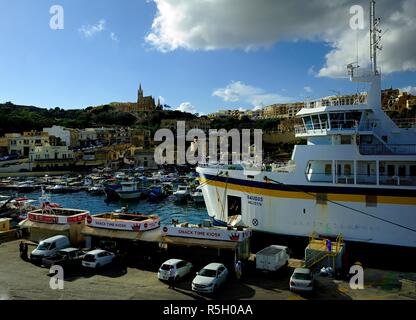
(356, 176)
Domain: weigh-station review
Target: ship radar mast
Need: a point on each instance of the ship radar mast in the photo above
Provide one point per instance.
(375, 36)
(372, 76)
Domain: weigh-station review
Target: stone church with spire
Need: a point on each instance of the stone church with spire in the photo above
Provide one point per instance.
(144, 104)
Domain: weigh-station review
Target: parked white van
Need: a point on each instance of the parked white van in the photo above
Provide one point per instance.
(49, 247)
(272, 258)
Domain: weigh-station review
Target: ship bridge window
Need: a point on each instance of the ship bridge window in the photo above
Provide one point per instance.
(308, 123)
(316, 123)
(337, 120)
(324, 120)
(353, 119)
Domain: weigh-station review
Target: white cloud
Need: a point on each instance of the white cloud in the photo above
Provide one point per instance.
(308, 89)
(90, 30)
(114, 37)
(312, 71)
(186, 107)
(248, 25)
(410, 90)
(238, 91)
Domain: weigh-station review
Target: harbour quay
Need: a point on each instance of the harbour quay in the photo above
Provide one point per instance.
(24, 281)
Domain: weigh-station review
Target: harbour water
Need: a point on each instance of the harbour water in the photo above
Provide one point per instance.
(166, 209)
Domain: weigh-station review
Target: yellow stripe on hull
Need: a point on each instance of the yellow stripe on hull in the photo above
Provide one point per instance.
(303, 195)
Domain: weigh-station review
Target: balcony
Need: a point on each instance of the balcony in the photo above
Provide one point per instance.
(398, 180)
(334, 126)
(409, 123)
(337, 102)
(362, 179)
(388, 149)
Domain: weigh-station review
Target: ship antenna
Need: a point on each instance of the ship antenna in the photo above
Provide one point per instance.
(375, 37)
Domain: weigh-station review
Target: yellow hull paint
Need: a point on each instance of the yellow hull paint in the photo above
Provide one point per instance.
(307, 196)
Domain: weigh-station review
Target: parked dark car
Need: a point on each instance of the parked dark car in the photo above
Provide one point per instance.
(10, 157)
(66, 258)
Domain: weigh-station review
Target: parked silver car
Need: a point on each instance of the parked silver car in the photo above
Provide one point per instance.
(210, 278)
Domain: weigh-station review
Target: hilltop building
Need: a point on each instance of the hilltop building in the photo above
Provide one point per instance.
(143, 104)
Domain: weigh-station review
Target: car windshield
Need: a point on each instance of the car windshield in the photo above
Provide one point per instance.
(44, 246)
(89, 258)
(208, 273)
(302, 276)
(166, 267)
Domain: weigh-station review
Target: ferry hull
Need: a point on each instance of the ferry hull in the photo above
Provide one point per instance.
(296, 212)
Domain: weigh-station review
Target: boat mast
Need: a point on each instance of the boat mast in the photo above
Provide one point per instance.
(375, 37)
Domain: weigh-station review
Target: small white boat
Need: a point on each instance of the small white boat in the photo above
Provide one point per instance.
(182, 193)
(198, 196)
(121, 175)
(96, 190)
(129, 190)
(59, 188)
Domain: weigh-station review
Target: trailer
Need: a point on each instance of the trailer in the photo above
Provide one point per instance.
(272, 258)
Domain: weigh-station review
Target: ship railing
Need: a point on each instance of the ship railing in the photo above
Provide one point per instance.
(408, 123)
(335, 125)
(221, 166)
(337, 101)
(398, 180)
(362, 179)
(388, 149)
(284, 167)
(300, 129)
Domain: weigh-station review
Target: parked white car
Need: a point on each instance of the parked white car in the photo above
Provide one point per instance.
(210, 278)
(302, 280)
(97, 258)
(181, 268)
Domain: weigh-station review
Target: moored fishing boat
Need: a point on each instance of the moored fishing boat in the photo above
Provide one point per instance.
(129, 190)
(182, 193)
(197, 196)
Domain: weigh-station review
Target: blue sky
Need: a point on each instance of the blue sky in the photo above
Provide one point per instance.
(70, 68)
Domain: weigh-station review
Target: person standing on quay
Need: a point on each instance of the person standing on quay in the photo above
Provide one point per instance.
(238, 270)
(21, 248)
(25, 252)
